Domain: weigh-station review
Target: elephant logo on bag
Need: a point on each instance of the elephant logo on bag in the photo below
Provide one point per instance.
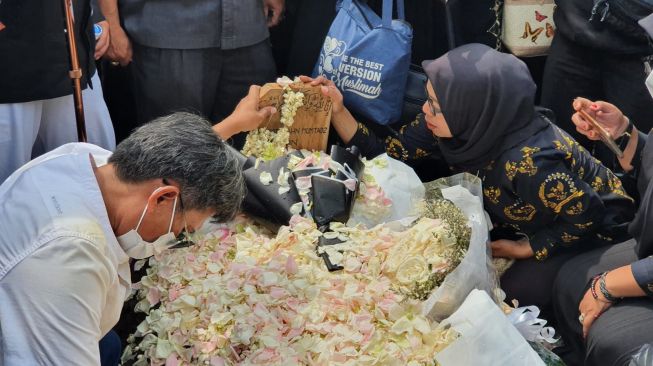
(332, 48)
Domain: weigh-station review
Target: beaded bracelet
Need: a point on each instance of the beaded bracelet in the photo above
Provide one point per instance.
(593, 285)
(604, 289)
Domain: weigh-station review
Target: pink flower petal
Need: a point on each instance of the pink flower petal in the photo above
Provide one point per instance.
(238, 268)
(172, 360)
(295, 333)
(222, 234)
(207, 347)
(278, 292)
(217, 256)
(173, 294)
(217, 361)
(291, 265)
(350, 184)
(153, 296)
(234, 285)
(303, 183)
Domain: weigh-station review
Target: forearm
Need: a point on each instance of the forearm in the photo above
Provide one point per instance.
(227, 128)
(344, 124)
(621, 282)
(110, 11)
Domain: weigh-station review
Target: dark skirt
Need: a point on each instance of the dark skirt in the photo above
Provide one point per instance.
(620, 331)
(529, 281)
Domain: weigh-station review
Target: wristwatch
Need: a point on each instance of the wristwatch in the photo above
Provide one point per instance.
(622, 141)
(629, 129)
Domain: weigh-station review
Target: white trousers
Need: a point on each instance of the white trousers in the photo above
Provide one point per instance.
(30, 129)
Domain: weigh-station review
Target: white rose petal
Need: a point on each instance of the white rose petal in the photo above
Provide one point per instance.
(282, 178)
(163, 349)
(268, 296)
(402, 325)
(411, 270)
(296, 208)
(266, 178)
(284, 81)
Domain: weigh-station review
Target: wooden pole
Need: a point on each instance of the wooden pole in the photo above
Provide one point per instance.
(75, 73)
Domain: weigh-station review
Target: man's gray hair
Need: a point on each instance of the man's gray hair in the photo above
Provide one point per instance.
(183, 147)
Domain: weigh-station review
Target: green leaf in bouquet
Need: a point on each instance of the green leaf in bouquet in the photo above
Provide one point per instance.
(549, 358)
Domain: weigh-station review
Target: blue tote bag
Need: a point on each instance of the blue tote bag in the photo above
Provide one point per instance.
(368, 57)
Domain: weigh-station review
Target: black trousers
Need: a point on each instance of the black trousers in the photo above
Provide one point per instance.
(208, 81)
(617, 334)
(573, 70)
(529, 281)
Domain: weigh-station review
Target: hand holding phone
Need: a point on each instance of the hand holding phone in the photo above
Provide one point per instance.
(598, 120)
(603, 134)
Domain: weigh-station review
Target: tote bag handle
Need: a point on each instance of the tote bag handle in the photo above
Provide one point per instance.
(387, 12)
(386, 16)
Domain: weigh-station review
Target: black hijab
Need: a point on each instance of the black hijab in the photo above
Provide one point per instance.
(487, 98)
(641, 228)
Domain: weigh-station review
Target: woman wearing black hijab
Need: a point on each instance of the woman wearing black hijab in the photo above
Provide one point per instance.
(602, 299)
(599, 297)
(537, 181)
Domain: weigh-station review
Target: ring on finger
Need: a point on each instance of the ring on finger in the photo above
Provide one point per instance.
(581, 318)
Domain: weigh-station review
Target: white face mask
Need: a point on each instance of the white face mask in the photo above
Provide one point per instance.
(137, 248)
(649, 83)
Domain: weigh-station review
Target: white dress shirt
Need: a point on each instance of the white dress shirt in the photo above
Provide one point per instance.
(63, 275)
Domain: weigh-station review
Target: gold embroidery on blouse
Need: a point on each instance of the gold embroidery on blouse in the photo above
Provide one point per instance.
(584, 226)
(396, 149)
(597, 184)
(526, 166)
(492, 194)
(542, 254)
(581, 172)
(616, 187)
(557, 190)
(414, 123)
(564, 148)
(567, 147)
(603, 237)
(363, 129)
(420, 153)
(520, 212)
(575, 209)
(568, 238)
(570, 142)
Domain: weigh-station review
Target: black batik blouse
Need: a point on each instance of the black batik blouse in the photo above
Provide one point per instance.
(547, 187)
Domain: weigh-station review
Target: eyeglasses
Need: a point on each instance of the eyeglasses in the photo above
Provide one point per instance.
(183, 240)
(185, 237)
(431, 102)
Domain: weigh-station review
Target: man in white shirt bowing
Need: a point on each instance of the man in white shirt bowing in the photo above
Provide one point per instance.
(71, 219)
